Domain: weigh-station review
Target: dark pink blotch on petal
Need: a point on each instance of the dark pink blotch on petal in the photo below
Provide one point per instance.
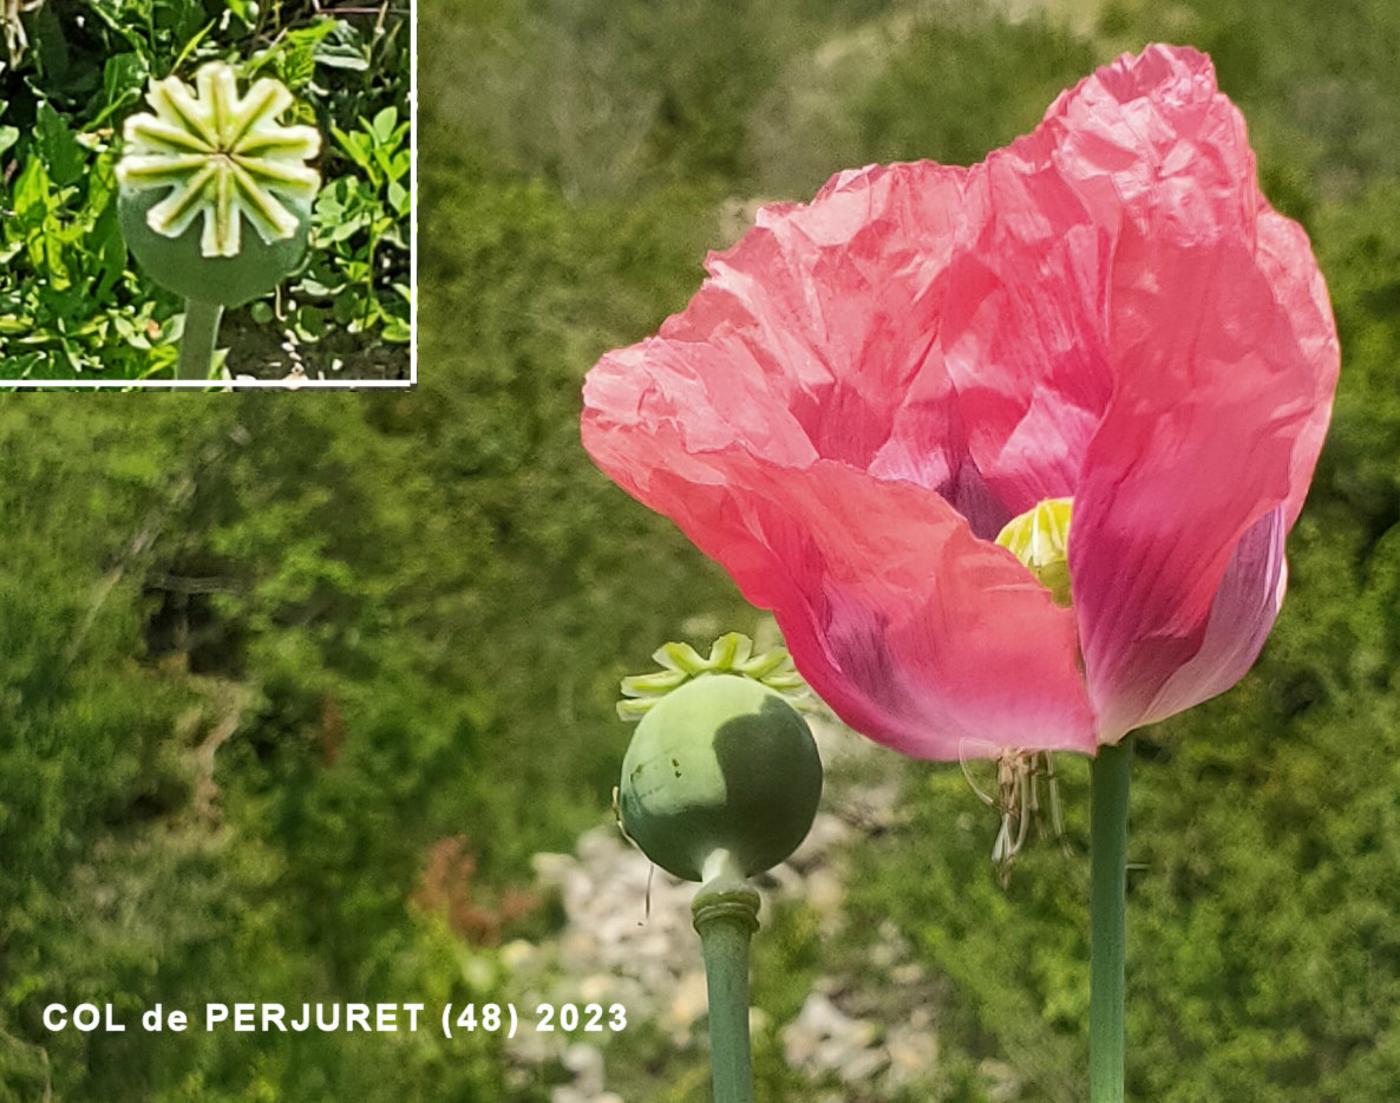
(1241, 616)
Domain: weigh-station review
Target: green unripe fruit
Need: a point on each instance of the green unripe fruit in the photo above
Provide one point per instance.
(178, 264)
(721, 763)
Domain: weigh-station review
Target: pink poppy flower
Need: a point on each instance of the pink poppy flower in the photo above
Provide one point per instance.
(870, 386)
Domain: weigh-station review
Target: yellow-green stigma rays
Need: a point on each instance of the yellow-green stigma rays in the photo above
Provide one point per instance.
(1039, 538)
(222, 156)
(732, 653)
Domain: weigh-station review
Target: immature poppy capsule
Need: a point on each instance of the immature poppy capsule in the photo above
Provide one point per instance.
(203, 162)
(721, 763)
(178, 265)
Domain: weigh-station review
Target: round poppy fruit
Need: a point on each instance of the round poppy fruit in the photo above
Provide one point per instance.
(179, 265)
(720, 763)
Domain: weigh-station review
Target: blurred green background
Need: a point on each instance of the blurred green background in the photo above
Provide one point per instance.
(265, 657)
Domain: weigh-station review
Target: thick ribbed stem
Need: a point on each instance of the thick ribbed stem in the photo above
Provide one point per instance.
(1107, 932)
(726, 915)
(200, 336)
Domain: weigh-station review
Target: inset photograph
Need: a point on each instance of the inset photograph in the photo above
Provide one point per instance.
(206, 192)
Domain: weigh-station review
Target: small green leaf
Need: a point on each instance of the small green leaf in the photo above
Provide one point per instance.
(58, 146)
(246, 10)
(311, 322)
(399, 198)
(383, 125)
(33, 188)
(123, 77)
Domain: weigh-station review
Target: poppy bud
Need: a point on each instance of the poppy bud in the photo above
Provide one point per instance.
(721, 763)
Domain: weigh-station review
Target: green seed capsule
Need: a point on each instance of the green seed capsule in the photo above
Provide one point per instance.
(178, 263)
(215, 193)
(721, 763)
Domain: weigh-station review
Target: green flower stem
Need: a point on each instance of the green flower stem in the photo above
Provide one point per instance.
(726, 915)
(1107, 934)
(200, 336)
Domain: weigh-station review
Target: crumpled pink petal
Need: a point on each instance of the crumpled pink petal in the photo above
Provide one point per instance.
(980, 660)
(1022, 331)
(750, 421)
(1224, 359)
(870, 385)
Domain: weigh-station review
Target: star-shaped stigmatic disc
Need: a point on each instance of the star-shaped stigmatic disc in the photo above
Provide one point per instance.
(222, 156)
(732, 653)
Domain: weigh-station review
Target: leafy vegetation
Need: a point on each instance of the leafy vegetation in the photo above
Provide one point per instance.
(73, 305)
(262, 657)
